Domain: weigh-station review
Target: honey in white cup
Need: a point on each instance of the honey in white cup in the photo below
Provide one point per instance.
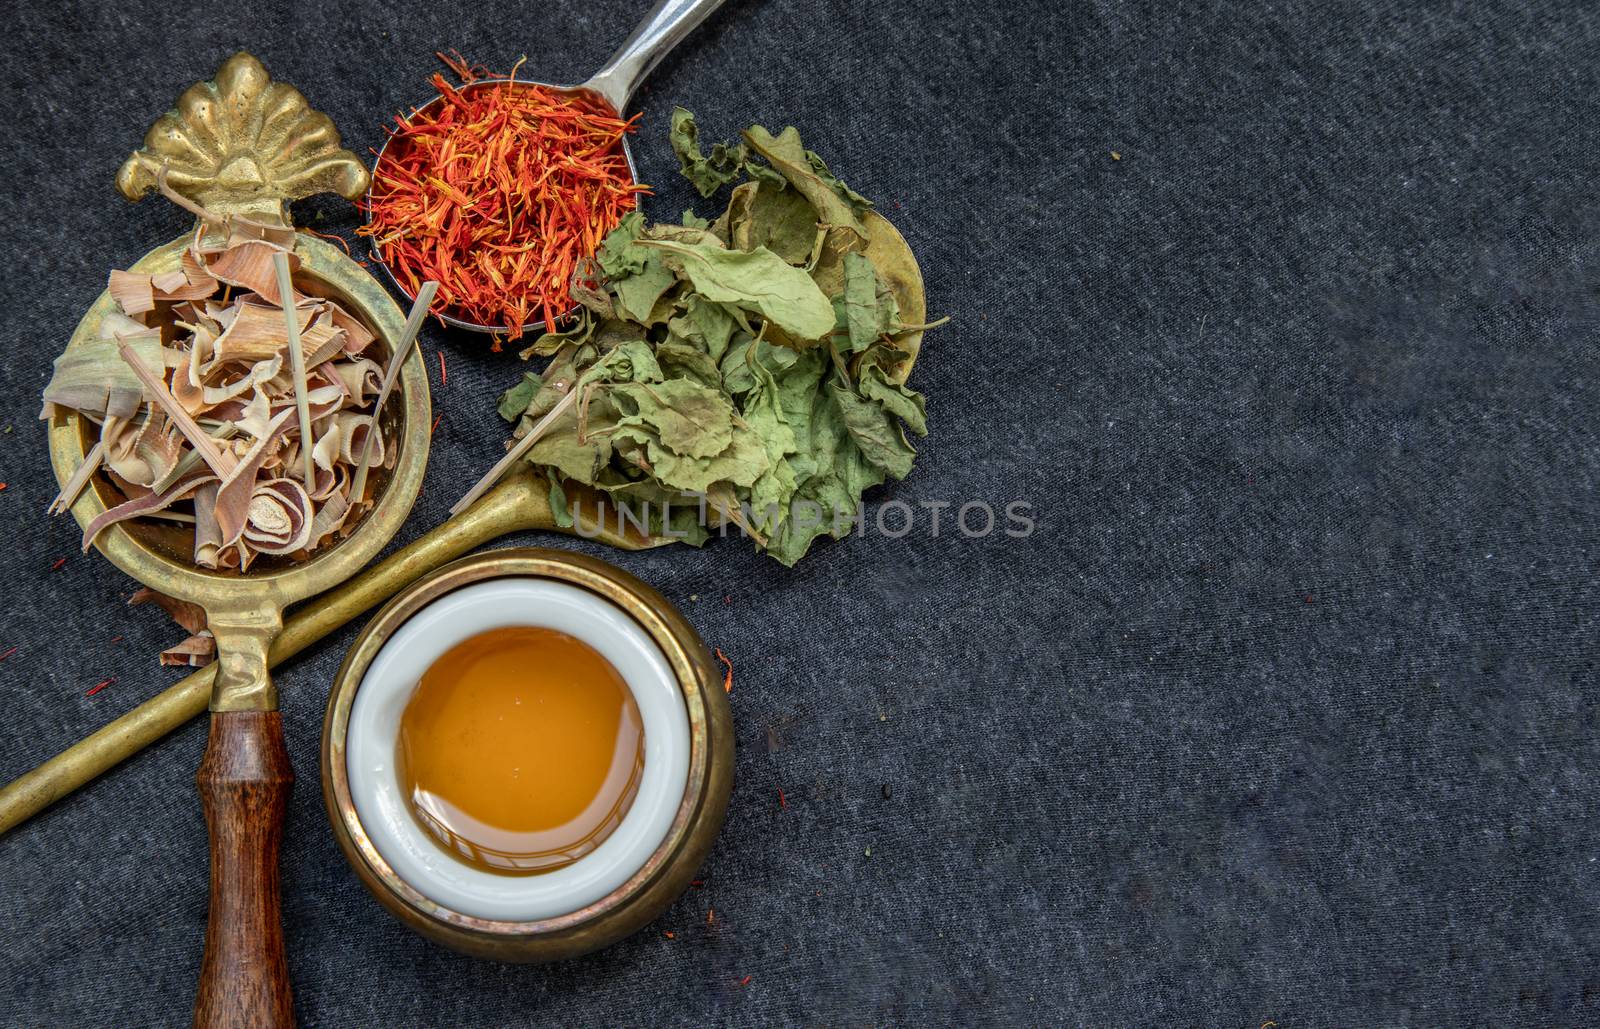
(520, 750)
(469, 879)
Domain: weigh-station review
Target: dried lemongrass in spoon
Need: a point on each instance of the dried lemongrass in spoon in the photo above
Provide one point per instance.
(419, 311)
(297, 361)
(228, 405)
(204, 445)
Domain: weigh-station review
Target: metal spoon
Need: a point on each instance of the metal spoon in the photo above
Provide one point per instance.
(610, 87)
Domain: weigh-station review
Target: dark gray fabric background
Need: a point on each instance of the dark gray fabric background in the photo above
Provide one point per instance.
(1287, 711)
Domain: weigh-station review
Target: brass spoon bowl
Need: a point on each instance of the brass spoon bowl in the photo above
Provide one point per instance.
(609, 89)
(240, 606)
(244, 146)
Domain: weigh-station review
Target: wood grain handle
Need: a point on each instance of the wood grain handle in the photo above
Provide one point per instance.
(244, 784)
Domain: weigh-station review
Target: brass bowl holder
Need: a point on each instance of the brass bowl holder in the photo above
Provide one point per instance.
(663, 877)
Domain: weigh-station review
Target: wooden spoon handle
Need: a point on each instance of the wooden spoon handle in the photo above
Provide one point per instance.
(244, 784)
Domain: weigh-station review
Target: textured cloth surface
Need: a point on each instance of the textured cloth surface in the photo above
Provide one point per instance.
(1283, 318)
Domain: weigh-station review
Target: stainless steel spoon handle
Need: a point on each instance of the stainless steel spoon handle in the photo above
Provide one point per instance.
(666, 25)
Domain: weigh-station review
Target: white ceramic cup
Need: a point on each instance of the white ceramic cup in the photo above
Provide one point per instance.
(417, 856)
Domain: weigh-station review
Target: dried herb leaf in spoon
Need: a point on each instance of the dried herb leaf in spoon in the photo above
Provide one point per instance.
(743, 367)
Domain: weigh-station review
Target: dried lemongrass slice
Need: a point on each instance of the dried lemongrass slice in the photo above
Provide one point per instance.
(80, 478)
(207, 533)
(297, 362)
(191, 617)
(233, 497)
(133, 292)
(280, 517)
(92, 377)
(257, 416)
(196, 436)
(331, 483)
(362, 378)
(329, 449)
(190, 460)
(256, 333)
(195, 651)
(359, 438)
(258, 373)
(202, 283)
(249, 266)
(357, 337)
(143, 453)
(166, 282)
(199, 647)
(329, 519)
(144, 505)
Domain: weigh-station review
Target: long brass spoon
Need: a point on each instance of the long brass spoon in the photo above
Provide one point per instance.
(519, 503)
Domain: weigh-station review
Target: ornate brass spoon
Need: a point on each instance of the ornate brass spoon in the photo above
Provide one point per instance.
(245, 145)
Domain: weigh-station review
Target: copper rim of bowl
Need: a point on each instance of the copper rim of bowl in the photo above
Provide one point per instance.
(664, 875)
(366, 298)
(482, 83)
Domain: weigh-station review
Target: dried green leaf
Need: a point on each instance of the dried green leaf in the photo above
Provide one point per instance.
(559, 508)
(685, 416)
(536, 395)
(559, 448)
(682, 234)
(589, 291)
(875, 431)
(706, 174)
(617, 257)
(761, 214)
(704, 324)
(904, 403)
(740, 464)
(866, 309)
(632, 360)
(856, 200)
(764, 416)
(834, 202)
(645, 505)
(757, 281)
(550, 342)
(681, 359)
(637, 277)
(739, 366)
(514, 401)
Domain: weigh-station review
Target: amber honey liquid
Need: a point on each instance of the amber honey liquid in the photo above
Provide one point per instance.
(521, 750)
